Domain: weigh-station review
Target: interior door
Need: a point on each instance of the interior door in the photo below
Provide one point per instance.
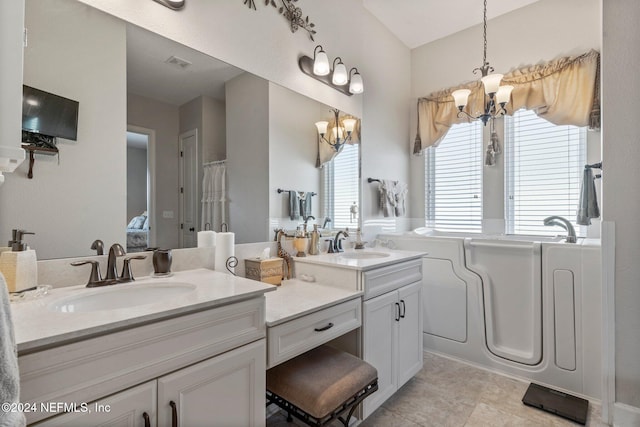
(188, 188)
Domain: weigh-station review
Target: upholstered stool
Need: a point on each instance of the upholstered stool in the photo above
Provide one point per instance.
(320, 385)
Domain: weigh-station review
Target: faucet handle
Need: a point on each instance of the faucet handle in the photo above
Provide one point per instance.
(95, 276)
(332, 249)
(127, 274)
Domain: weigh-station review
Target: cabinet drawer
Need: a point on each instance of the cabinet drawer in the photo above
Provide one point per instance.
(382, 280)
(90, 369)
(290, 339)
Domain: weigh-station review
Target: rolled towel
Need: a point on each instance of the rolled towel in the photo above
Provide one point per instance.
(10, 378)
(588, 205)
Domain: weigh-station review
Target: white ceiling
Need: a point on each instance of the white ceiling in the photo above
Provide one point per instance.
(416, 22)
(149, 74)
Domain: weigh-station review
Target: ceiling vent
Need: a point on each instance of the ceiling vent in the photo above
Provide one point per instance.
(175, 60)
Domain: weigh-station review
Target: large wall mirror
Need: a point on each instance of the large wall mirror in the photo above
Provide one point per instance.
(154, 117)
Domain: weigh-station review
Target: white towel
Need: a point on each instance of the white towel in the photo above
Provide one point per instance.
(400, 190)
(588, 205)
(10, 378)
(387, 197)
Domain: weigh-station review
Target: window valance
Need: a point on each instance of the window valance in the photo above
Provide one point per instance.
(565, 91)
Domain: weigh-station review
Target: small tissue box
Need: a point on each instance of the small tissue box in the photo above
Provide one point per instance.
(264, 270)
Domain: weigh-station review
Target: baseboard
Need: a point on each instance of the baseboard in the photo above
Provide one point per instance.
(625, 415)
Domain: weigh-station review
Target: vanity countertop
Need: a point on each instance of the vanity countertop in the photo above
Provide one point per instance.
(295, 298)
(371, 258)
(38, 326)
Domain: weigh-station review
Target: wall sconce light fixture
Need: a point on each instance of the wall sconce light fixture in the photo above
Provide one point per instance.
(172, 4)
(319, 69)
(340, 133)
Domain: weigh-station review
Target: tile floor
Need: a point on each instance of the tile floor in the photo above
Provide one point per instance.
(448, 393)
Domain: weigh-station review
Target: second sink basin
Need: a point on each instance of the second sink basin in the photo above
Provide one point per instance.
(122, 296)
(364, 255)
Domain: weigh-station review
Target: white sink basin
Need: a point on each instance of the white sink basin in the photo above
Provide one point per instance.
(364, 255)
(121, 296)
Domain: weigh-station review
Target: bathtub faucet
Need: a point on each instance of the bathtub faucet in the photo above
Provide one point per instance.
(563, 223)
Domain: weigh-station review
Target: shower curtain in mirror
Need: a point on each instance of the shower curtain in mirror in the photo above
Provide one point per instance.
(214, 196)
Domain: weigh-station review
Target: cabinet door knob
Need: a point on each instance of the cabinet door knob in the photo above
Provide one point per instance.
(404, 309)
(174, 414)
(324, 328)
(147, 421)
(397, 312)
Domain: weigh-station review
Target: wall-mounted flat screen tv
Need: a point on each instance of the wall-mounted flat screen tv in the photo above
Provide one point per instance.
(49, 114)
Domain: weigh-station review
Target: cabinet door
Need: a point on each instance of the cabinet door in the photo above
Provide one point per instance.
(410, 332)
(380, 345)
(129, 408)
(226, 390)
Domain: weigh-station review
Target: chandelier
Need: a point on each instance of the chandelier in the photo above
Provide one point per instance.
(495, 96)
(340, 134)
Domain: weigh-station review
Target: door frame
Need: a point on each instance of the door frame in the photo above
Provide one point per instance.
(151, 178)
(181, 137)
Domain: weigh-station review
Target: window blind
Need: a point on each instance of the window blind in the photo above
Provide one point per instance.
(543, 172)
(453, 180)
(340, 185)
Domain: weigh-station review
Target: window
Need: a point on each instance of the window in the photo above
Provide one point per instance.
(543, 171)
(341, 187)
(453, 180)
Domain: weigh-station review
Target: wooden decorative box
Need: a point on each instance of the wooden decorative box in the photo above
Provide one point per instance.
(264, 270)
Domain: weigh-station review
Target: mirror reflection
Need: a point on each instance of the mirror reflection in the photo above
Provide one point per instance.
(155, 119)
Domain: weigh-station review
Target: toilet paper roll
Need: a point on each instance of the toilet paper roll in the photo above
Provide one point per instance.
(206, 239)
(225, 248)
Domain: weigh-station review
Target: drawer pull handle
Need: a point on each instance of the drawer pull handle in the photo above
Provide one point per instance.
(324, 328)
(397, 312)
(404, 309)
(147, 421)
(174, 414)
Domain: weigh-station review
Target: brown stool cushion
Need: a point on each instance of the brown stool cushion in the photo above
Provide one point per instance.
(320, 380)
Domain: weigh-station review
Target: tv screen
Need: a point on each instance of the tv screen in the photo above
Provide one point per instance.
(49, 114)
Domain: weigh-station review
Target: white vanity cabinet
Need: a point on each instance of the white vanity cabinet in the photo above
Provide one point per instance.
(392, 340)
(211, 363)
(224, 390)
(391, 336)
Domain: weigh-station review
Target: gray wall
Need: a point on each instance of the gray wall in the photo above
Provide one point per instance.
(67, 204)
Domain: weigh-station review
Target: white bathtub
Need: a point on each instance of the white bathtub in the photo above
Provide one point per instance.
(525, 305)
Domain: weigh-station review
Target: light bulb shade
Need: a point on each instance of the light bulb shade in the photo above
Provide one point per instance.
(321, 64)
(504, 94)
(349, 125)
(340, 76)
(491, 83)
(461, 97)
(322, 127)
(356, 85)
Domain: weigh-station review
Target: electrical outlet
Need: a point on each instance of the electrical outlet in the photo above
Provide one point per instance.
(167, 214)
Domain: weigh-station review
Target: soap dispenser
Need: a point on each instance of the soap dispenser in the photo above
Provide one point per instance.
(314, 245)
(19, 266)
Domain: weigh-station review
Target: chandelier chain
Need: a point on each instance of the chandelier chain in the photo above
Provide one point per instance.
(484, 57)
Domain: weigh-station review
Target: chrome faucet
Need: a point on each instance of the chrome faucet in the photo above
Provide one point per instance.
(326, 221)
(98, 246)
(337, 241)
(306, 219)
(115, 250)
(565, 224)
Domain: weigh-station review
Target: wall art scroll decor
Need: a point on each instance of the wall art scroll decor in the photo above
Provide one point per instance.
(291, 12)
